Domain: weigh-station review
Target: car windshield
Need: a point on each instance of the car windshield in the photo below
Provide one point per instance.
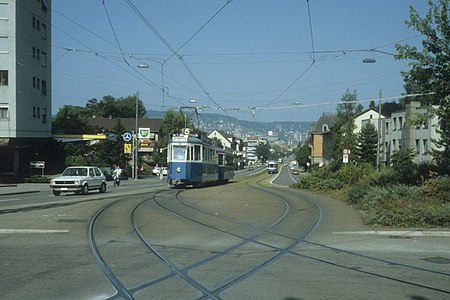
(75, 172)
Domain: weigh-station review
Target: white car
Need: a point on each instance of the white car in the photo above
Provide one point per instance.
(80, 179)
(156, 171)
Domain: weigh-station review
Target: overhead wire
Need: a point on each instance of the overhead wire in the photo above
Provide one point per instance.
(174, 52)
(313, 58)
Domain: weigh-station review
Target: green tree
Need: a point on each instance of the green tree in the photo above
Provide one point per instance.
(116, 108)
(367, 144)
(72, 120)
(302, 154)
(263, 151)
(344, 127)
(110, 151)
(430, 66)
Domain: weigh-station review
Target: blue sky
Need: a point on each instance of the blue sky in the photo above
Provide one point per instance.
(250, 53)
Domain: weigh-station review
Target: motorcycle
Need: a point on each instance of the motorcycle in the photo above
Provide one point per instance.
(116, 179)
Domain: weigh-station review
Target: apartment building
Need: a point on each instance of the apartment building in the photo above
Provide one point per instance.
(399, 134)
(25, 81)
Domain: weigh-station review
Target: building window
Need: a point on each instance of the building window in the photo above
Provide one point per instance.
(34, 52)
(400, 123)
(44, 88)
(3, 77)
(34, 111)
(44, 115)
(34, 82)
(425, 146)
(4, 44)
(38, 83)
(43, 31)
(38, 54)
(44, 59)
(38, 25)
(34, 22)
(418, 146)
(38, 112)
(4, 112)
(3, 10)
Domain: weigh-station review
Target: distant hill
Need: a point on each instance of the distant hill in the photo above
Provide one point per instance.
(282, 131)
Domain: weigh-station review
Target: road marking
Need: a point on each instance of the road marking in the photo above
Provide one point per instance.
(397, 233)
(12, 199)
(7, 231)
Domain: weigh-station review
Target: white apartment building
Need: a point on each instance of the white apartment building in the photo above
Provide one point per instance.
(399, 134)
(25, 80)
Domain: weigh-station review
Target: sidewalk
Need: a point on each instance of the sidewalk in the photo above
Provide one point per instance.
(20, 188)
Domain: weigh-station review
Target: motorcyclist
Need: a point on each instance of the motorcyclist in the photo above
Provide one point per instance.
(116, 175)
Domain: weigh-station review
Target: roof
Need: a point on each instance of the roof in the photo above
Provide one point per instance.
(324, 120)
(128, 123)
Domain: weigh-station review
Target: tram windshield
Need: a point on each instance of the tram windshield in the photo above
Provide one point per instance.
(179, 153)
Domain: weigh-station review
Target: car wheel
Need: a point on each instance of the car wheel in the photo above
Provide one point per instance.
(85, 189)
(102, 188)
(56, 193)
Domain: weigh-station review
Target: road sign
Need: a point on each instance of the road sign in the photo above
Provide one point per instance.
(127, 148)
(345, 158)
(144, 133)
(37, 164)
(127, 136)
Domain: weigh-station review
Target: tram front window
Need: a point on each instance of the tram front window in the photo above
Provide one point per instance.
(179, 153)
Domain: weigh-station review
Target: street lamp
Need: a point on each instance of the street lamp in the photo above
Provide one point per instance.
(371, 61)
(161, 62)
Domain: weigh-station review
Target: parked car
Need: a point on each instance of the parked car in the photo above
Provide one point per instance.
(295, 171)
(80, 179)
(156, 171)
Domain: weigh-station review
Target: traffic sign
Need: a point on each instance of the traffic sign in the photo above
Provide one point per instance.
(127, 136)
(127, 148)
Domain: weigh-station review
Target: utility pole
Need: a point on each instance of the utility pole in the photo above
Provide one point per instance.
(380, 95)
(136, 143)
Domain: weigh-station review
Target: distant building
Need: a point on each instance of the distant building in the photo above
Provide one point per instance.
(321, 139)
(228, 141)
(368, 116)
(25, 81)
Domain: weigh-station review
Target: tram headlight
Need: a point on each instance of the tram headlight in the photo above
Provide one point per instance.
(179, 170)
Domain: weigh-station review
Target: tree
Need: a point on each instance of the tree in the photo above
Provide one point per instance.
(302, 154)
(430, 67)
(109, 152)
(343, 128)
(263, 151)
(116, 108)
(367, 144)
(72, 120)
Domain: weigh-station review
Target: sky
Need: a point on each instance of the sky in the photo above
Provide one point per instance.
(261, 60)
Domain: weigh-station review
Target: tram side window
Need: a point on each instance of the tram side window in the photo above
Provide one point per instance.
(179, 153)
(197, 153)
(189, 153)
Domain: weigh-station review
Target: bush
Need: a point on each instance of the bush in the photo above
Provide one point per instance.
(438, 188)
(351, 174)
(37, 179)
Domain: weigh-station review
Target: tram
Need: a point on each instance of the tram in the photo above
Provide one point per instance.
(272, 167)
(193, 160)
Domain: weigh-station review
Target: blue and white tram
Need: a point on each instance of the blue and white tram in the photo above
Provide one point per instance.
(194, 161)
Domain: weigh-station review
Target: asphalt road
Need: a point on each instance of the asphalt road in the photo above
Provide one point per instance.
(255, 239)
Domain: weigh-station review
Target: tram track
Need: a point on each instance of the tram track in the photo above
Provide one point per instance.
(190, 212)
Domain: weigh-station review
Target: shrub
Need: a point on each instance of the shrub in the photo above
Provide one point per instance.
(438, 188)
(37, 179)
(351, 174)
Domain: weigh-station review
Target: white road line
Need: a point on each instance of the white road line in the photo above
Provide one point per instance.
(8, 231)
(12, 199)
(397, 233)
